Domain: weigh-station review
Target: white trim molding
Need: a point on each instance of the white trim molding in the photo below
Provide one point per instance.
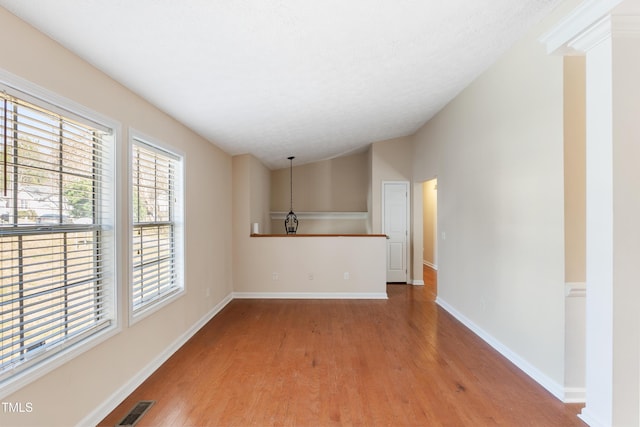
(309, 295)
(591, 419)
(605, 28)
(575, 289)
(322, 215)
(559, 40)
(589, 25)
(417, 282)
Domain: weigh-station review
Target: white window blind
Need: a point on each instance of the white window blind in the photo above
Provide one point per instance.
(154, 234)
(53, 285)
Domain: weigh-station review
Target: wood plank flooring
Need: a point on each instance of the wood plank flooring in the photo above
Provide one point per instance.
(399, 362)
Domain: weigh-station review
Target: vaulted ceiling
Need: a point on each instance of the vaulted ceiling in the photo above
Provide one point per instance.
(314, 79)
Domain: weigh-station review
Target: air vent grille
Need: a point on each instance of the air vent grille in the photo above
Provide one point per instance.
(134, 415)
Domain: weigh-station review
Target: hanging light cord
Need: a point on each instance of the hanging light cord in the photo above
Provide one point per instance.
(291, 181)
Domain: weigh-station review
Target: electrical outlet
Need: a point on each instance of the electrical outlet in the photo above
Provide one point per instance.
(346, 275)
(207, 292)
(310, 276)
(274, 276)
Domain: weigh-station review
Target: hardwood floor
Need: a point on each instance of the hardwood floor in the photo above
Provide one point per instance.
(399, 362)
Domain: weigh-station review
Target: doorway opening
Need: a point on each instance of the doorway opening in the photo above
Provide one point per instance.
(430, 233)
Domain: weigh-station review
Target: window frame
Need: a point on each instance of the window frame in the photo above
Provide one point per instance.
(153, 144)
(46, 362)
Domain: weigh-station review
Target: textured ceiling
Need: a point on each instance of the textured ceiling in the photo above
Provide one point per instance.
(314, 79)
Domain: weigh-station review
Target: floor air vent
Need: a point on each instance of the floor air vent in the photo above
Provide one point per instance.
(134, 415)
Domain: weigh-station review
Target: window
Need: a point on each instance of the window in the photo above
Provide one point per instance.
(156, 232)
(56, 232)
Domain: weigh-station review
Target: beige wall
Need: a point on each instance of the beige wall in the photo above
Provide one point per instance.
(260, 195)
(390, 161)
(312, 267)
(348, 184)
(76, 392)
(575, 168)
(497, 150)
(501, 197)
(429, 216)
(336, 185)
(304, 266)
(320, 223)
(250, 189)
(369, 224)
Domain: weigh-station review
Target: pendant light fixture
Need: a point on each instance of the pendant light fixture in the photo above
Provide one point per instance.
(291, 221)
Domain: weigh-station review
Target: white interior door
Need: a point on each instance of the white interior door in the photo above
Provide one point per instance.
(395, 223)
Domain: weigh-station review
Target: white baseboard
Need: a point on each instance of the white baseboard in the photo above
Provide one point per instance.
(552, 386)
(430, 265)
(575, 295)
(575, 395)
(119, 395)
(309, 295)
(417, 282)
(588, 417)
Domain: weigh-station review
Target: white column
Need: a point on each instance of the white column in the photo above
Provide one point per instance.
(599, 306)
(610, 39)
(625, 56)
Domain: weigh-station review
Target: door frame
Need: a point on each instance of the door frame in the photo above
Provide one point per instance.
(407, 186)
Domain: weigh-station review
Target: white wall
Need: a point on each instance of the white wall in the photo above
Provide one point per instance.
(497, 150)
(81, 390)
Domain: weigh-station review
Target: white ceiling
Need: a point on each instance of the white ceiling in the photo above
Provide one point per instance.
(314, 79)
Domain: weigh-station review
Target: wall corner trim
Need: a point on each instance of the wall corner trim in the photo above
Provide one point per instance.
(552, 386)
(119, 395)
